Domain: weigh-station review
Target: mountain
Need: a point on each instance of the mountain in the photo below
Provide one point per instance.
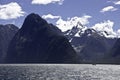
(40, 42)
(91, 46)
(6, 34)
(114, 54)
(116, 48)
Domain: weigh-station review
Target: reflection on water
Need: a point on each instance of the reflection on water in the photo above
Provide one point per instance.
(59, 72)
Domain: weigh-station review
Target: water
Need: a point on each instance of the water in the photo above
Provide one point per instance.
(59, 72)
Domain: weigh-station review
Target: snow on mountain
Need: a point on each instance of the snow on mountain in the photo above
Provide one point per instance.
(75, 27)
(68, 24)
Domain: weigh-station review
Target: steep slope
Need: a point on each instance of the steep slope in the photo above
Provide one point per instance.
(40, 42)
(114, 54)
(6, 34)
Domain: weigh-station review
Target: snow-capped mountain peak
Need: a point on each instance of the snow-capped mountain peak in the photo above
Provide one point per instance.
(79, 30)
(76, 30)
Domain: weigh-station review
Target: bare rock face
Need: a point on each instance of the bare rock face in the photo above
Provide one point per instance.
(40, 42)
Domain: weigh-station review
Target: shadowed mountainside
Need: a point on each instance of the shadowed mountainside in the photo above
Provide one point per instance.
(40, 42)
(6, 34)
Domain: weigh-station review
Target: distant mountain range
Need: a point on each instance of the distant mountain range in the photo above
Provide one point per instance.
(91, 46)
(40, 42)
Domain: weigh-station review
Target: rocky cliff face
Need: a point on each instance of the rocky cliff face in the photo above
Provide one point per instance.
(40, 42)
(6, 34)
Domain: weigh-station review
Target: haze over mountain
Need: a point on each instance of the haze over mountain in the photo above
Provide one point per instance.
(113, 56)
(6, 34)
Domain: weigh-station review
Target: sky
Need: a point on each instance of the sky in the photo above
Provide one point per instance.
(102, 15)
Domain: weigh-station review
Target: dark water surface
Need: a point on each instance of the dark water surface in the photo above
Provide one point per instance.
(59, 72)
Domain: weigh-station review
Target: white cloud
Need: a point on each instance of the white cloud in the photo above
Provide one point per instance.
(106, 28)
(118, 33)
(50, 16)
(11, 11)
(108, 8)
(65, 25)
(117, 3)
(45, 2)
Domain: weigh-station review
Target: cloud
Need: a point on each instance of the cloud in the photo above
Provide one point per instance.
(118, 33)
(11, 11)
(105, 28)
(45, 2)
(65, 25)
(108, 8)
(50, 16)
(117, 3)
